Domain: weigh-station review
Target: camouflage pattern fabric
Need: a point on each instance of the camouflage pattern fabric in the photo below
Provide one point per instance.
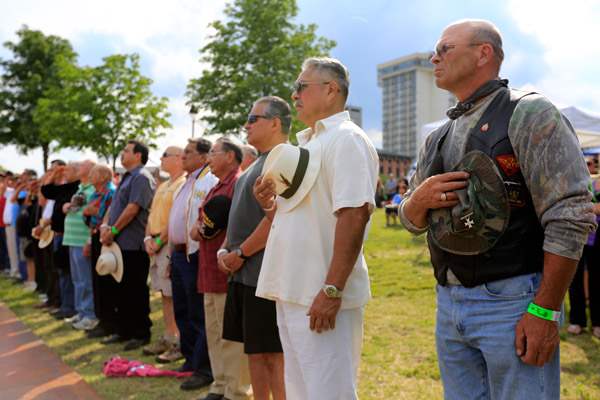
(549, 156)
(476, 223)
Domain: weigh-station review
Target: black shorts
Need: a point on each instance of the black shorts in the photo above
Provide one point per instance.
(250, 320)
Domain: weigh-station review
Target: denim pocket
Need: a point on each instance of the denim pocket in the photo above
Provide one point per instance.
(513, 288)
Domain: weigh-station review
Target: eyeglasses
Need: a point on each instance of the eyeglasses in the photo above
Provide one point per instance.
(252, 118)
(213, 152)
(441, 51)
(165, 155)
(299, 86)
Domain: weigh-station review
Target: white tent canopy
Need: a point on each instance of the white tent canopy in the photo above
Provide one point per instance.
(586, 126)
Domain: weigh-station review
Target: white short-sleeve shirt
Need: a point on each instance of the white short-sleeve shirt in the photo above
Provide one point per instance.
(300, 245)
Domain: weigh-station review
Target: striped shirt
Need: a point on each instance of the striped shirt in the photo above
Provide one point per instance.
(77, 232)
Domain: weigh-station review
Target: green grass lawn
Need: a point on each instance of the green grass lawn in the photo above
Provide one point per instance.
(398, 360)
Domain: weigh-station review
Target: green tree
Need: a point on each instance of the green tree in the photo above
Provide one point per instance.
(26, 78)
(257, 52)
(103, 107)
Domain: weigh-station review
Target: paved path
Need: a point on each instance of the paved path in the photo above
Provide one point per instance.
(29, 370)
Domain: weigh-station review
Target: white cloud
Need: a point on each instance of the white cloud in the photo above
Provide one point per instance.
(568, 34)
(168, 34)
(376, 137)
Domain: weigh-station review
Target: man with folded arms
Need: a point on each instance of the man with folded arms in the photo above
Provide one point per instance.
(250, 319)
(227, 358)
(125, 224)
(187, 302)
(313, 264)
(156, 242)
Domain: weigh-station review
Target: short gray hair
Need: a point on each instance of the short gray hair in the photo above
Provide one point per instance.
(278, 108)
(333, 68)
(249, 150)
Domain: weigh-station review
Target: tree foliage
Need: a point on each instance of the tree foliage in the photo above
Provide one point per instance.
(257, 52)
(32, 72)
(101, 108)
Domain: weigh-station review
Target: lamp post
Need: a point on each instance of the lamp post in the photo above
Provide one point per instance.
(193, 114)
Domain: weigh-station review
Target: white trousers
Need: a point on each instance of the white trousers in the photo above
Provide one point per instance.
(13, 254)
(320, 366)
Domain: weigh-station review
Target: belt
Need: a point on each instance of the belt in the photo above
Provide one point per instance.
(180, 247)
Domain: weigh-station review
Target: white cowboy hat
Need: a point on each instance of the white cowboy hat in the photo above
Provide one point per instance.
(46, 237)
(294, 170)
(110, 262)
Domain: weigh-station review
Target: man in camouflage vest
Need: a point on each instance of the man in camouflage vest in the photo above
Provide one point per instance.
(503, 255)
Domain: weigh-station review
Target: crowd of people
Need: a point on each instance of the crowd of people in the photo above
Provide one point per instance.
(90, 241)
(262, 277)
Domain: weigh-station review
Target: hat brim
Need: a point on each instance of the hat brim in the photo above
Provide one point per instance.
(46, 237)
(310, 176)
(492, 198)
(116, 250)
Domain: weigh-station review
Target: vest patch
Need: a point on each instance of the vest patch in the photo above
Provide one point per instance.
(508, 163)
(485, 127)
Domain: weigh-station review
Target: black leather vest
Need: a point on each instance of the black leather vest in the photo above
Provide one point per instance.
(519, 249)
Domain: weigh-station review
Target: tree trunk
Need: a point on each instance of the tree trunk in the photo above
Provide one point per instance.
(45, 154)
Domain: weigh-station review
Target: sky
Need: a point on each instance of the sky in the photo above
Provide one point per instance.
(550, 46)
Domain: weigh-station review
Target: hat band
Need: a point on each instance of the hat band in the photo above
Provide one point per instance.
(298, 175)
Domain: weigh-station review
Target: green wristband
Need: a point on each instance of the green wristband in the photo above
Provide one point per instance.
(158, 241)
(114, 230)
(543, 313)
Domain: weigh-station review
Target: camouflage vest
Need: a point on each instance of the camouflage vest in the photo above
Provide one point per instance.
(519, 249)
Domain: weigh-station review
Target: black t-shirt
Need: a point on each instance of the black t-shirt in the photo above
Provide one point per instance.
(61, 194)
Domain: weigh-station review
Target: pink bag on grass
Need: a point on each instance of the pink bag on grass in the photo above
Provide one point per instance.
(122, 367)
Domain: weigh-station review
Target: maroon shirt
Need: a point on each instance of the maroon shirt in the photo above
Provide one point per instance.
(210, 278)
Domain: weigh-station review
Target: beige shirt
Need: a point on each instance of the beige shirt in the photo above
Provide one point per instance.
(300, 245)
(161, 205)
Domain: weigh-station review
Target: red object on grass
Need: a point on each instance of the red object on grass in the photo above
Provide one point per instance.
(122, 367)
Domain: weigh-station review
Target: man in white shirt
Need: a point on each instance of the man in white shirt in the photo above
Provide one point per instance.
(10, 230)
(313, 263)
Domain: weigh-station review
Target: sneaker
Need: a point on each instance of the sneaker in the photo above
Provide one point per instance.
(574, 329)
(30, 286)
(156, 348)
(85, 324)
(75, 318)
(171, 355)
(596, 331)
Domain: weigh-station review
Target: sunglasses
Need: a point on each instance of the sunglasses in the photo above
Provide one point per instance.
(441, 51)
(252, 118)
(299, 86)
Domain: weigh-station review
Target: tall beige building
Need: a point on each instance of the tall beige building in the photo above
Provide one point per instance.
(410, 100)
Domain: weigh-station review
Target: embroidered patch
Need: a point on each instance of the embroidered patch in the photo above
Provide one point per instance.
(508, 163)
(485, 127)
(516, 195)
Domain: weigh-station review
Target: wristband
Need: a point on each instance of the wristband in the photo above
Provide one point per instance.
(158, 241)
(543, 313)
(147, 238)
(114, 230)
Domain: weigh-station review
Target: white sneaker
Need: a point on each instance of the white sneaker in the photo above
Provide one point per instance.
(30, 286)
(74, 319)
(85, 324)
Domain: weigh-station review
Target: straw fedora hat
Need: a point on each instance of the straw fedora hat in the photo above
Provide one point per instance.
(46, 237)
(294, 170)
(110, 262)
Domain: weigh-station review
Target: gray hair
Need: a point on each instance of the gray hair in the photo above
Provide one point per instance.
(278, 108)
(249, 150)
(331, 67)
(488, 33)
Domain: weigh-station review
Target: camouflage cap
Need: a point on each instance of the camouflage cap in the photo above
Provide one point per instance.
(476, 223)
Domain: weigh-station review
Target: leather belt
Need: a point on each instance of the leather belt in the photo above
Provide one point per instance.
(180, 248)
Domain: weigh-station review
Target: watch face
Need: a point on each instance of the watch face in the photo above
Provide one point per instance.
(331, 291)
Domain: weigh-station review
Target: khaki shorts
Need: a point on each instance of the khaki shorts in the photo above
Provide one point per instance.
(159, 272)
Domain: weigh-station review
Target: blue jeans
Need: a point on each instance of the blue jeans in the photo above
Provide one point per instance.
(81, 276)
(67, 292)
(475, 336)
(188, 306)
